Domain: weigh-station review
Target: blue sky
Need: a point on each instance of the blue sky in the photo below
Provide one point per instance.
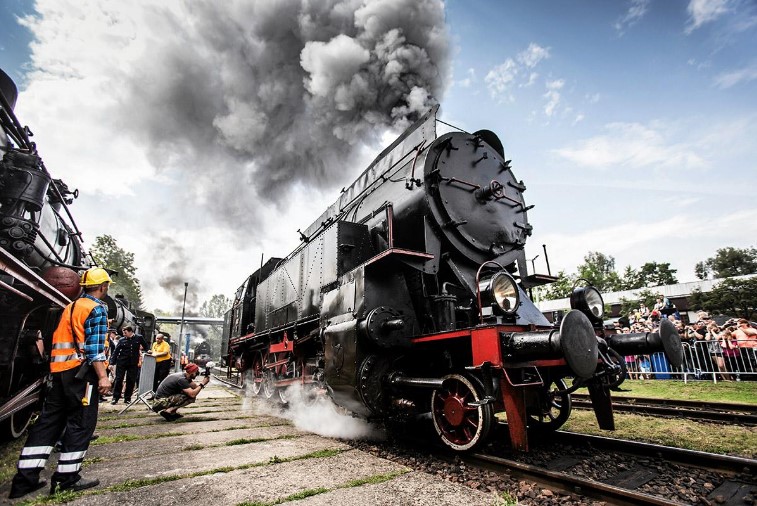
(632, 123)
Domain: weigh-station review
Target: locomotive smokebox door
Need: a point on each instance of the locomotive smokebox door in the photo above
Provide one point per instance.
(475, 200)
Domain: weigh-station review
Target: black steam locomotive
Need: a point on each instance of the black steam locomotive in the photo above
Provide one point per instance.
(409, 296)
(40, 256)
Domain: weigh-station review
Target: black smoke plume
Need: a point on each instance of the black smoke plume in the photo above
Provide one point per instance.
(251, 98)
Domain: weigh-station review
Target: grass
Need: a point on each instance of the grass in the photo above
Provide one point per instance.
(9, 452)
(505, 499)
(245, 440)
(689, 434)
(693, 435)
(744, 392)
(368, 480)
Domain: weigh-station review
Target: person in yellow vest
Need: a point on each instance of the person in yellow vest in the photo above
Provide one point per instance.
(162, 352)
(77, 364)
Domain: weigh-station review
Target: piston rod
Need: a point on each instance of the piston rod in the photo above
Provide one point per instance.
(398, 379)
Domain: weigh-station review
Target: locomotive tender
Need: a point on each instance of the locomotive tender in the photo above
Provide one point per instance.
(408, 296)
(41, 254)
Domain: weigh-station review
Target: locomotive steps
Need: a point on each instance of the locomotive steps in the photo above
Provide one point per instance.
(220, 453)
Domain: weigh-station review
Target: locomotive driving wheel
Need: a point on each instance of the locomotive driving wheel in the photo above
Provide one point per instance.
(294, 369)
(267, 384)
(553, 409)
(257, 373)
(460, 421)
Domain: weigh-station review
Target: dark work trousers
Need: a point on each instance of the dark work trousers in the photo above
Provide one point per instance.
(161, 371)
(64, 408)
(130, 371)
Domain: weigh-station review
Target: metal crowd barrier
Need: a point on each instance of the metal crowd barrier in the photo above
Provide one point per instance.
(702, 360)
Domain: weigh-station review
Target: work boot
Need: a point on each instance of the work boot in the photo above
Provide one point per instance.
(81, 484)
(20, 490)
(114, 401)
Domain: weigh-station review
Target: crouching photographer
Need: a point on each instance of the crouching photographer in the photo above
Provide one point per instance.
(177, 391)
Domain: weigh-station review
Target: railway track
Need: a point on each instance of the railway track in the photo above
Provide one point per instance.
(711, 461)
(719, 412)
(565, 482)
(628, 472)
(226, 381)
(577, 465)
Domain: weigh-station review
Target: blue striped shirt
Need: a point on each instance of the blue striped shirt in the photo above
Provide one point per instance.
(95, 330)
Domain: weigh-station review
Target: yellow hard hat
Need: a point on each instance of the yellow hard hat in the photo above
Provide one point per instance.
(95, 276)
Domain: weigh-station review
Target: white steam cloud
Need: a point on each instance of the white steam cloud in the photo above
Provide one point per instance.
(317, 415)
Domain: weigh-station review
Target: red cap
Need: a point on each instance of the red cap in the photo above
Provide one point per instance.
(192, 368)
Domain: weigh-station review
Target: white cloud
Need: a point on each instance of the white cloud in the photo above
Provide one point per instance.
(515, 72)
(729, 79)
(632, 145)
(705, 11)
(468, 81)
(553, 95)
(635, 242)
(499, 79)
(533, 55)
(635, 12)
(593, 99)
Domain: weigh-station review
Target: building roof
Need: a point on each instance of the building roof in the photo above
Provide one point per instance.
(669, 291)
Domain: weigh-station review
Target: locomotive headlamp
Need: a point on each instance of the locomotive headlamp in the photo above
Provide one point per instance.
(500, 289)
(588, 300)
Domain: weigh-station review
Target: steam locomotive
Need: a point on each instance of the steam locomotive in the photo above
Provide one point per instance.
(408, 297)
(41, 254)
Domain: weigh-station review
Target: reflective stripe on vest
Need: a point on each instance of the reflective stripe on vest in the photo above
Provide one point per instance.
(64, 355)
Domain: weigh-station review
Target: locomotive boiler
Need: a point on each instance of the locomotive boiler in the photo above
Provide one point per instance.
(41, 255)
(408, 296)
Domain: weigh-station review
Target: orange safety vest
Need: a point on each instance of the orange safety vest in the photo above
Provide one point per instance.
(64, 355)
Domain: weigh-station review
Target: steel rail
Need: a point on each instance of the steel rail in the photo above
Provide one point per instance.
(740, 414)
(724, 406)
(565, 482)
(227, 382)
(691, 458)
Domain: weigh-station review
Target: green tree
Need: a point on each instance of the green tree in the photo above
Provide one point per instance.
(656, 274)
(629, 279)
(109, 255)
(728, 262)
(557, 290)
(599, 270)
(734, 297)
(215, 307)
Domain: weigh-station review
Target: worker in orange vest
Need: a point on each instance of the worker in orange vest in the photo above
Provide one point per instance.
(79, 377)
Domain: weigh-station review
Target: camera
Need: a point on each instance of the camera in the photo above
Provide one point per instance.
(208, 367)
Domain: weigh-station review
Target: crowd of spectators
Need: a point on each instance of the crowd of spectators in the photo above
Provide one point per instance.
(728, 350)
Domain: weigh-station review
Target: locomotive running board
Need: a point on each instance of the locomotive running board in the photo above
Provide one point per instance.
(12, 266)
